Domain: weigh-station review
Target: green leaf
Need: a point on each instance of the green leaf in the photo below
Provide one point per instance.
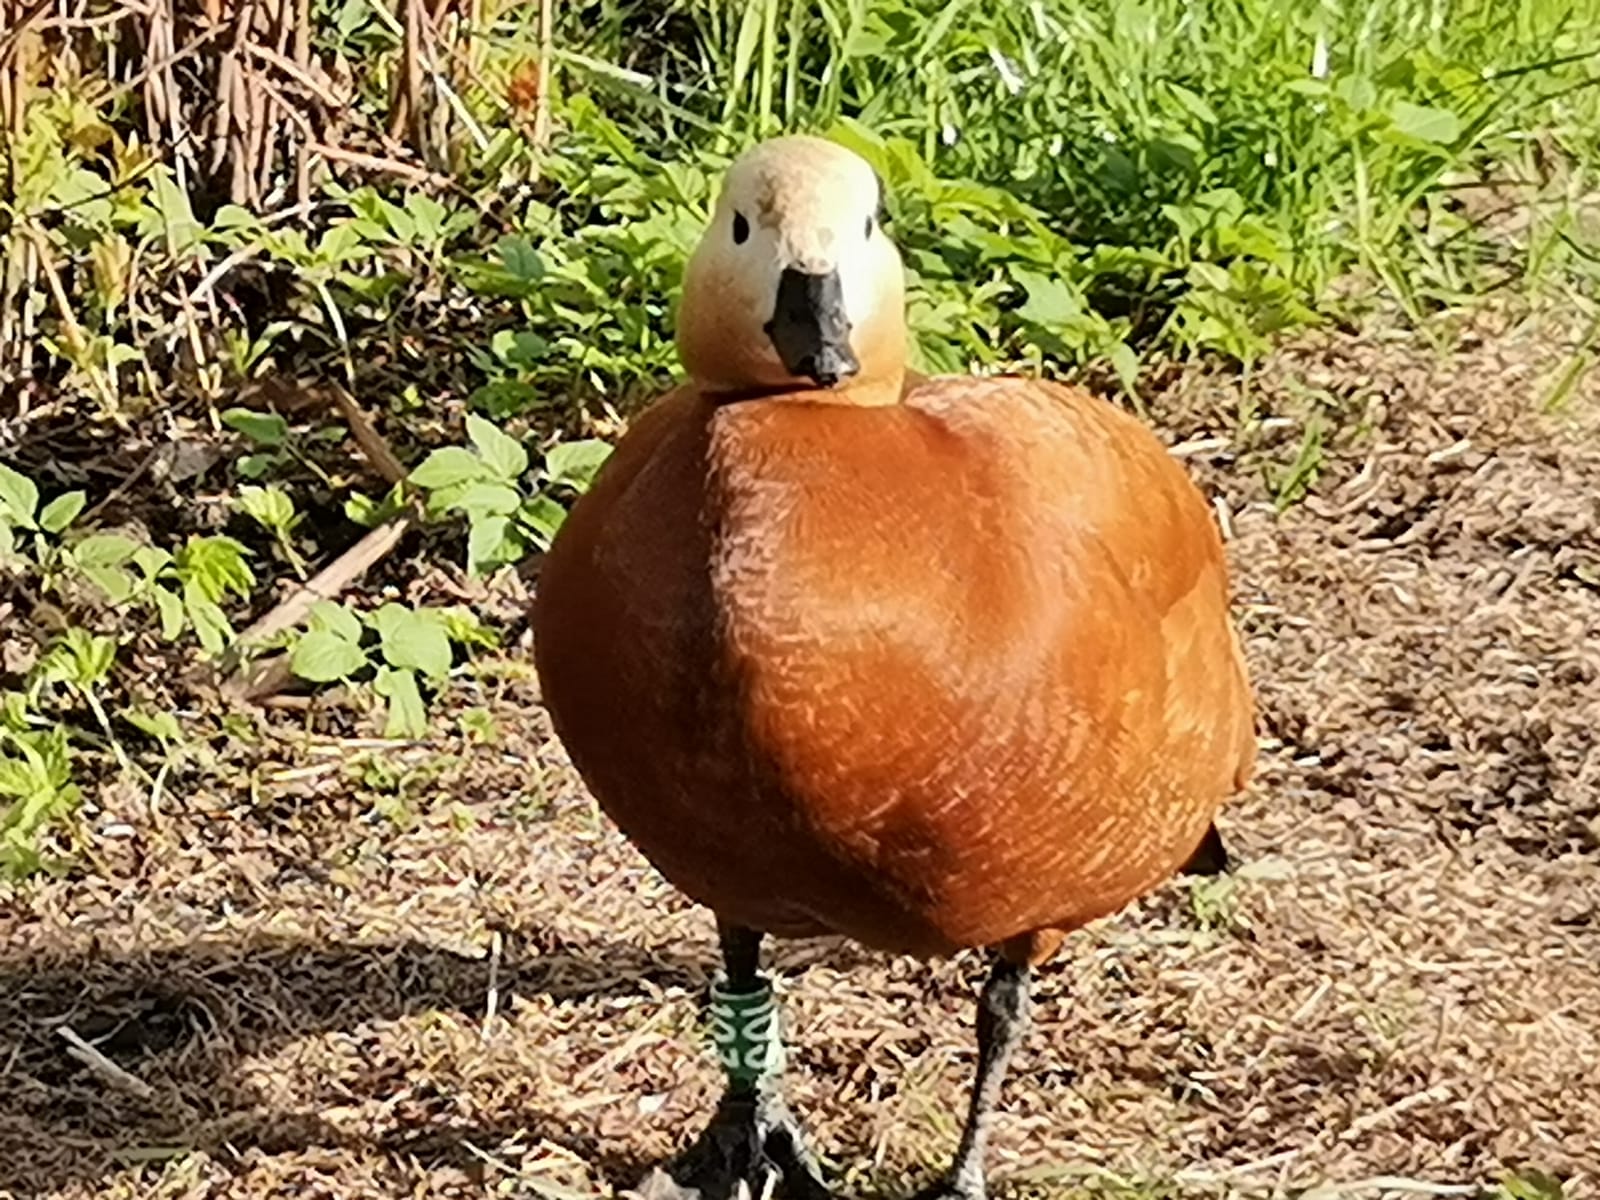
(104, 550)
(480, 500)
(151, 560)
(1050, 301)
(492, 540)
(1426, 124)
(117, 583)
(264, 429)
(177, 218)
(61, 512)
(519, 258)
(465, 629)
(323, 656)
(406, 717)
(161, 725)
(215, 565)
(336, 619)
(413, 638)
(428, 214)
(449, 465)
(1126, 364)
(576, 463)
(542, 517)
(209, 621)
(268, 506)
(502, 452)
(173, 618)
(254, 466)
(18, 497)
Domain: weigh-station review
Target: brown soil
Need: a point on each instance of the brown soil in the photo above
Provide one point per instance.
(1398, 991)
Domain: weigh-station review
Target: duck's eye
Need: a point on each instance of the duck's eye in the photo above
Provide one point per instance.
(741, 229)
(870, 224)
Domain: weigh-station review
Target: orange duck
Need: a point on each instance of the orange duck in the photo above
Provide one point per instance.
(929, 663)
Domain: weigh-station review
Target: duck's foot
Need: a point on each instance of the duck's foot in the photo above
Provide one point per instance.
(755, 1141)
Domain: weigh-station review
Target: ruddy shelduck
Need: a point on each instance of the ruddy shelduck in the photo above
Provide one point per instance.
(930, 663)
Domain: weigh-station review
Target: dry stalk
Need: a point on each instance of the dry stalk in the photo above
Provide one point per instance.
(71, 330)
(541, 111)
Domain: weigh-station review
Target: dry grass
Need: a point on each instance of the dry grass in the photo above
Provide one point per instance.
(1400, 981)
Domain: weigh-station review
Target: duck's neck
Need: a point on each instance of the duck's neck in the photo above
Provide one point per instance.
(876, 392)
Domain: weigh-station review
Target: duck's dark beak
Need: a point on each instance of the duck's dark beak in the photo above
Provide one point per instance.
(809, 328)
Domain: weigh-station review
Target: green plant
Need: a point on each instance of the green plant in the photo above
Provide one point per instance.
(20, 511)
(1529, 1184)
(408, 645)
(485, 484)
(187, 588)
(272, 509)
(36, 779)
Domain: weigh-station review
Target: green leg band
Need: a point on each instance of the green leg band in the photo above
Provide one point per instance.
(744, 1031)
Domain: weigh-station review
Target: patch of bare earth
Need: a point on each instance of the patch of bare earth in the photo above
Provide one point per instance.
(360, 970)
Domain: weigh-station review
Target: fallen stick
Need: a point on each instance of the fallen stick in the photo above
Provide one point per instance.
(326, 584)
(102, 1066)
(367, 437)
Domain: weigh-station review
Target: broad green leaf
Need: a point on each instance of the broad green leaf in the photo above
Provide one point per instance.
(90, 656)
(492, 540)
(151, 560)
(519, 348)
(18, 497)
(265, 429)
(336, 619)
(104, 550)
(61, 512)
(254, 466)
(576, 463)
(406, 716)
(449, 465)
(480, 500)
(428, 214)
(117, 583)
(323, 656)
(519, 258)
(1050, 301)
(502, 452)
(1437, 125)
(413, 638)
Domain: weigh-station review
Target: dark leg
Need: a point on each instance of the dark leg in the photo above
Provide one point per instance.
(752, 1140)
(1002, 1022)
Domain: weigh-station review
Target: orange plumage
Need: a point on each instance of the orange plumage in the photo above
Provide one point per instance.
(942, 674)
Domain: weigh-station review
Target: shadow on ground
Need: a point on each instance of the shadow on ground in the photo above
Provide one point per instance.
(184, 1020)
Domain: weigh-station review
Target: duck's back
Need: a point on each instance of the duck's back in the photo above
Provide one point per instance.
(931, 676)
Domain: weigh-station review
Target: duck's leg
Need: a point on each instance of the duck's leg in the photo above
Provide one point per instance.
(1002, 1022)
(753, 1139)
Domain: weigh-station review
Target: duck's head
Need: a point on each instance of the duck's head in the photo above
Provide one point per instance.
(794, 288)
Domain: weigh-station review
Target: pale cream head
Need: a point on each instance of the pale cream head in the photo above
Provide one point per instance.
(794, 287)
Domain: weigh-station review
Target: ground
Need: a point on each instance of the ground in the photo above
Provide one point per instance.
(344, 968)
